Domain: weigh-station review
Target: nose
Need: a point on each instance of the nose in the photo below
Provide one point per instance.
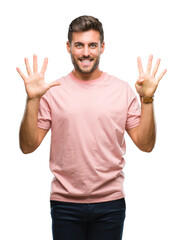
(86, 51)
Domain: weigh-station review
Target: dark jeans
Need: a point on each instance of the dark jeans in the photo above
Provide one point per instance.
(88, 221)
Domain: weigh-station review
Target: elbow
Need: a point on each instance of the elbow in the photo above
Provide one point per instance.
(27, 150)
(147, 148)
(148, 145)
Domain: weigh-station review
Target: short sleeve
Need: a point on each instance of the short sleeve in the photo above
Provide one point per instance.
(44, 113)
(134, 110)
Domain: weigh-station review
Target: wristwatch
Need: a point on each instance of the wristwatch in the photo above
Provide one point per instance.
(147, 99)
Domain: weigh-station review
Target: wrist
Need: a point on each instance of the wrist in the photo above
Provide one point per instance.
(32, 103)
(35, 99)
(147, 99)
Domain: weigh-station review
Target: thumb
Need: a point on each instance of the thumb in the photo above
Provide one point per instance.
(140, 81)
(53, 84)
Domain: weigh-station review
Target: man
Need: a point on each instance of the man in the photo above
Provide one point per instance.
(88, 112)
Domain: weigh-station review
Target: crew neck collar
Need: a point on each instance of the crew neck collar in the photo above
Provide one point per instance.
(87, 82)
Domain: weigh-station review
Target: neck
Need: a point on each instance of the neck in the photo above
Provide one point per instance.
(87, 76)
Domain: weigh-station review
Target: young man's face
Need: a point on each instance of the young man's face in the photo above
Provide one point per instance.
(85, 50)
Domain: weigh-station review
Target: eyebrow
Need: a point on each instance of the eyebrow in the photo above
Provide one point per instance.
(83, 43)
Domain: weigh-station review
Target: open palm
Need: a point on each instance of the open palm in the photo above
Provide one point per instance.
(147, 83)
(35, 84)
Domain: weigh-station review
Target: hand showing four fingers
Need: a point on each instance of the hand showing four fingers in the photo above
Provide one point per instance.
(147, 82)
(35, 85)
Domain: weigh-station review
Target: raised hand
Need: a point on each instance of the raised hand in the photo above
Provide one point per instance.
(147, 82)
(35, 85)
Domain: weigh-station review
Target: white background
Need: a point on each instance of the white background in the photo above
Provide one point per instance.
(153, 182)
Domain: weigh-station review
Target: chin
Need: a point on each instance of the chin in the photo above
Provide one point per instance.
(87, 71)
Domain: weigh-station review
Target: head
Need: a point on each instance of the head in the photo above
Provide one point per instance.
(85, 44)
(85, 23)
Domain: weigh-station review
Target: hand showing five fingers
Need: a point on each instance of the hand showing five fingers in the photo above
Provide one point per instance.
(148, 82)
(35, 85)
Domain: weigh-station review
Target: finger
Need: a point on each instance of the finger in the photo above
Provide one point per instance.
(54, 83)
(140, 81)
(35, 66)
(28, 66)
(156, 67)
(149, 64)
(45, 63)
(139, 63)
(161, 75)
(21, 73)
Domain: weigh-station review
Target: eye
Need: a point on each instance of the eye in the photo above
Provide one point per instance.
(93, 45)
(78, 45)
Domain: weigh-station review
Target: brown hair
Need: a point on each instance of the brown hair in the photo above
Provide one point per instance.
(85, 23)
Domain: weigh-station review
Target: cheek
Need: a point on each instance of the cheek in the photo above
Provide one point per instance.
(97, 52)
(94, 53)
(76, 54)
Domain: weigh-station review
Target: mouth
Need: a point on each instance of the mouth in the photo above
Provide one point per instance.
(85, 62)
(85, 59)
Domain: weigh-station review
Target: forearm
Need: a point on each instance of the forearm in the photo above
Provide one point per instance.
(146, 133)
(28, 129)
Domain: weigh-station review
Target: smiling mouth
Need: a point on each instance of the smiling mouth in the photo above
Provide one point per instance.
(84, 60)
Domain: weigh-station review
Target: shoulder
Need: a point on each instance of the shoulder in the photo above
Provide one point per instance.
(122, 86)
(118, 81)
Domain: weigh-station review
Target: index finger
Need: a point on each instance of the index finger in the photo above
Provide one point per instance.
(139, 63)
(45, 63)
(161, 75)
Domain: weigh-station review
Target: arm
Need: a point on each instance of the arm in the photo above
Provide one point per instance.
(145, 134)
(30, 135)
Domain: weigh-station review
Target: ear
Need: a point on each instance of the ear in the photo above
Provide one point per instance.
(102, 48)
(68, 47)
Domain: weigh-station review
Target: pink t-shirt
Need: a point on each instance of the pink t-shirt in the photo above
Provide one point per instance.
(88, 120)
